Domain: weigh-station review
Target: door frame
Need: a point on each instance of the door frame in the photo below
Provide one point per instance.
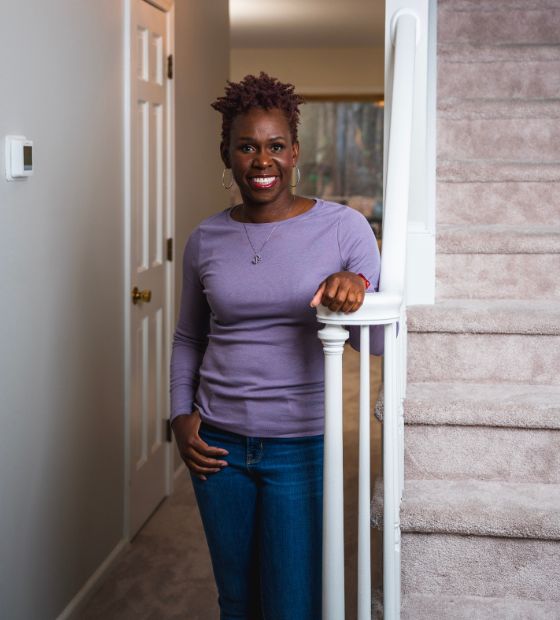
(168, 6)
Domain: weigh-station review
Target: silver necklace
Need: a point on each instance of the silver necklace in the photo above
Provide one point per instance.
(257, 258)
(257, 253)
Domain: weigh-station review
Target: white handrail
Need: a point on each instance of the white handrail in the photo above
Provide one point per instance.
(383, 308)
(397, 184)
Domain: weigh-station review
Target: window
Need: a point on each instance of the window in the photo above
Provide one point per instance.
(341, 154)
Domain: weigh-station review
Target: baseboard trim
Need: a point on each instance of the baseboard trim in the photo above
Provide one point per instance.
(76, 604)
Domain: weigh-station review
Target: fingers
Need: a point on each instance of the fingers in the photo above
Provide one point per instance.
(198, 456)
(343, 294)
(318, 295)
(201, 458)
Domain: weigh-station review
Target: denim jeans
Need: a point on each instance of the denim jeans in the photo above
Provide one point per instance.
(262, 516)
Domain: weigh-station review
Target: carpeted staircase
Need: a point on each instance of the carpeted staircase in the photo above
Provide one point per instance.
(480, 516)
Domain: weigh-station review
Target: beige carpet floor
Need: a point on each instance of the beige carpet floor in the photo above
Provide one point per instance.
(165, 572)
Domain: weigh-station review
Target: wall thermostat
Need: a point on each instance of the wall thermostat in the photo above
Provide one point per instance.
(19, 158)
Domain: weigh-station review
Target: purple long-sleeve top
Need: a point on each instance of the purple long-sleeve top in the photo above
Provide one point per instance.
(246, 352)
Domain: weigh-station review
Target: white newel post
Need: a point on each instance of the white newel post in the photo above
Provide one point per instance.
(333, 338)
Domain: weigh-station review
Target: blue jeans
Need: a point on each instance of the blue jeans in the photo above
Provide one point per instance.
(263, 520)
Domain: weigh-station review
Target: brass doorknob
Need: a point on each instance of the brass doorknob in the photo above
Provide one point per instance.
(138, 295)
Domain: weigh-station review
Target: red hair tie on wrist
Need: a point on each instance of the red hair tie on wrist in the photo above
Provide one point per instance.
(367, 282)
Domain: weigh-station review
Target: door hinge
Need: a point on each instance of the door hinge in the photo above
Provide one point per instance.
(170, 66)
(168, 431)
(170, 250)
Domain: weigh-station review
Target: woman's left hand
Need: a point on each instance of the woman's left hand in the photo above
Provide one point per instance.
(340, 292)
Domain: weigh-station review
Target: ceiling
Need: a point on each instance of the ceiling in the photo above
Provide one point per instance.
(306, 23)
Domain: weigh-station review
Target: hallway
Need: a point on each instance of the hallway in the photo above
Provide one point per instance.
(165, 573)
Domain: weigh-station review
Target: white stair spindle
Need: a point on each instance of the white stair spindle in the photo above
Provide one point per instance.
(364, 500)
(391, 482)
(401, 363)
(333, 338)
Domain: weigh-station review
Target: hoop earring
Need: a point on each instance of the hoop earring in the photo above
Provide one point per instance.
(230, 185)
(298, 173)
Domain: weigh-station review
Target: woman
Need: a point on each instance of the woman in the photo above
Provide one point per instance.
(247, 365)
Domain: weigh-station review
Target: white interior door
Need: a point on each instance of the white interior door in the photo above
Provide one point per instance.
(149, 188)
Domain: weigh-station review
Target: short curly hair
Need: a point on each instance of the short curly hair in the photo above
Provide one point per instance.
(264, 92)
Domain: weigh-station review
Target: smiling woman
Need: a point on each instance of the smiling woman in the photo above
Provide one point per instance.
(262, 156)
(247, 380)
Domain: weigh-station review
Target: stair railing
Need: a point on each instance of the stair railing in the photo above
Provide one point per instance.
(386, 307)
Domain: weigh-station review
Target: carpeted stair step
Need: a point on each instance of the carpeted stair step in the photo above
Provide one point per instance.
(447, 607)
(474, 261)
(481, 431)
(483, 358)
(454, 564)
(499, 129)
(492, 316)
(497, 239)
(474, 108)
(476, 538)
(527, 203)
(491, 171)
(515, 72)
(476, 508)
(471, 192)
(515, 276)
(480, 404)
(499, 23)
(492, 5)
(482, 452)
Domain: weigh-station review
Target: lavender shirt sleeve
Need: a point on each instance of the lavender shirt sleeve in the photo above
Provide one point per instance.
(191, 335)
(360, 254)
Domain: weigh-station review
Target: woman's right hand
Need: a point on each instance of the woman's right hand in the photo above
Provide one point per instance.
(195, 452)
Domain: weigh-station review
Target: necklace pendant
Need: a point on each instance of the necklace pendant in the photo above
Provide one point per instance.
(256, 259)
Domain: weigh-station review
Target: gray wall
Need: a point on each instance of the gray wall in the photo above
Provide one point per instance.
(202, 61)
(61, 278)
(200, 54)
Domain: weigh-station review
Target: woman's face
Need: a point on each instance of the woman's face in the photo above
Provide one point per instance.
(261, 156)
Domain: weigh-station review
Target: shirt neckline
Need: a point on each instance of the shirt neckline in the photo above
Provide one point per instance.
(289, 219)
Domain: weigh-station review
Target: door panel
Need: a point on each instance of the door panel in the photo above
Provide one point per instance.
(148, 267)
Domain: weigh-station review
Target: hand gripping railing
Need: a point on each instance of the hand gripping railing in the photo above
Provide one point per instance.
(383, 308)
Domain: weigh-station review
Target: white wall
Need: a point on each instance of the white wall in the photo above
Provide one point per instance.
(316, 71)
(61, 278)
